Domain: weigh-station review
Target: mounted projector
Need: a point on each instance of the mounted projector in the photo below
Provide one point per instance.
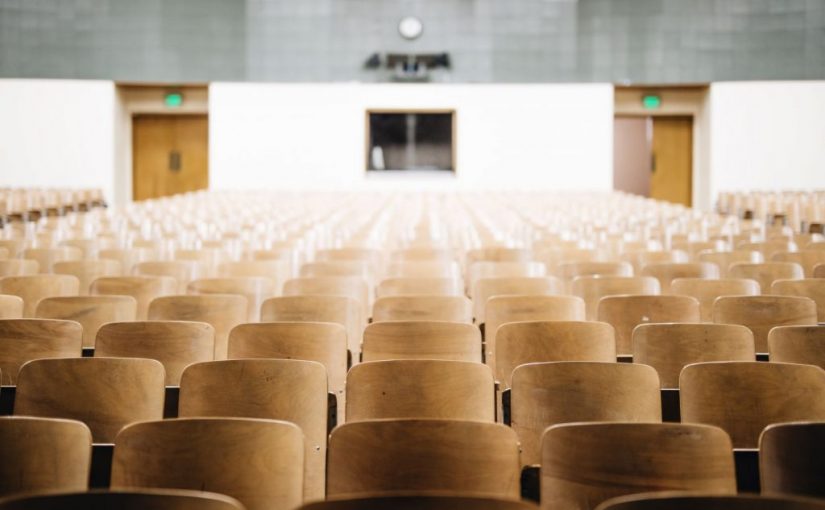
(408, 67)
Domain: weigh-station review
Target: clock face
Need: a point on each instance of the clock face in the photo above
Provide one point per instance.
(410, 27)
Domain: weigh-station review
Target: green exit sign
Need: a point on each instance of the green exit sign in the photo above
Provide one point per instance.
(651, 101)
(173, 99)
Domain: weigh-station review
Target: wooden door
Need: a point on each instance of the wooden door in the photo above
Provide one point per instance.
(671, 176)
(170, 155)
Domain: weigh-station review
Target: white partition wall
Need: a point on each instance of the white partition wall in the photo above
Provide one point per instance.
(313, 135)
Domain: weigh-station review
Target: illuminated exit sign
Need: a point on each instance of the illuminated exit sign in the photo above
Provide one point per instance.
(651, 101)
(173, 99)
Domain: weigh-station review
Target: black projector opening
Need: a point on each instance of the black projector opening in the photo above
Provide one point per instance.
(411, 140)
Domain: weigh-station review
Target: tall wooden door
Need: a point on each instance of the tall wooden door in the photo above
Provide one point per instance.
(671, 176)
(170, 154)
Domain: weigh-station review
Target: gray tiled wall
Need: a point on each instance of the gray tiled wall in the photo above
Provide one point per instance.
(638, 41)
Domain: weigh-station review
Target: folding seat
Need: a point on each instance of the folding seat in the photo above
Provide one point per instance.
(745, 397)
(668, 272)
(426, 308)
(43, 454)
(504, 309)
(570, 270)
(808, 259)
(640, 259)
(706, 291)
(36, 287)
(769, 248)
(337, 309)
(545, 394)
(175, 344)
(87, 271)
(707, 501)
(798, 344)
(624, 313)
(254, 289)
(819, 271)
(518, 343)
(486, 269)
(761, 313)
(383, 457)
(277, 389)
(419, 502)
(143, 288)
(584, 464)
(592, 288)
(128, 257)
(725, 259)
(813, 288)
(22, 340)
(11, 307)
(668, 348)
(19, 267)
(424, 269)
(485, 288)
(767, 272)
(258, 462)
(46, 257)
(222, 311)
(421, 340)
(792, 459)
(126, 499)
(439, 389)
(183, 271)
(412, 286)
(277, 270)
(354, 287)
(91, 312)
(104, 393)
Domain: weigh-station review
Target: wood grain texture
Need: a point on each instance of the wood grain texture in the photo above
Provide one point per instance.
(745, 397)
(175, 344)
(669, 348)
(792, 459)
(813, 288)
(41, 454)
(624, 313)
(91, 312)
(36, 287)
(11, 307)
(183, 271)
(668, 272)
(488, 269)
(254, 289)
(546, 394)
(585, 464)
(383, 457)
(706, 291)
(682, 501)
(421, 340)
(87, 271)
(340, 310)
(222, 311)
(22, 340)
(592, 288)
(725, 259)
(127, 499)
(761, 313)
(819, 270)
(798, 344)
(404, 286)
(423, 308)
(277, 389)
(104, 393)
(19, 267)
(518, 343)
(143, 288)
(46, 257)
(419, 502)
(258, 462)
(570, 270)
(671, 177)
(485, 288)
(808, 259)
(455, 390)
(354, 287)
(767, 272)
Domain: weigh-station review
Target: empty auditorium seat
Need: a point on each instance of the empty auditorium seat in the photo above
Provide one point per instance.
(31, 289)
(708, 501)
(23, 340)
(592, 288)
(254, 289)
(426, 308)
(143, 288)
(421, 340)
(419, 502)
(485, 288)
(706, 291)
(761, 313)
(813, 288)
(11, 307)
(87, 271)
(19, 267)
(91, 312)
(667, 272)
(767, 272)
(798, 344)
(792, 459)
(626, 312)
(126, 499)
(417, 286)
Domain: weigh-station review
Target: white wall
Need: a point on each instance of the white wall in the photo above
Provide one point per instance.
(57, 133)
(767, 135)
(313, 135)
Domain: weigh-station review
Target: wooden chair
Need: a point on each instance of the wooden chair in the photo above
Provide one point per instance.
(414, 286)
(767, 272)
(127, 499)
(706, 291)
(486, 269)
(813, 288)
(498, 254)
(91, 312)
(183, 271)
(584, 464)
(668, 348)
(351, 268)
(745, 397)
(424, 269)
(592, 288)
(504, 309)
(143, 288)
(337, 309)
(725, 259)
(422, 253)
(278, 389)
(438, 456)
(87, 271)
(104, 393)
(128, 257)
(421, 340)
(14, 247)
(175, 344)
(41, 454)
(485, 288)
(354, 287)
(518, 343)
(761, 313)
(808, 259)
(11, 307)
(423, 308)
(36, 287)
(545, 394)
(641, 258)
(258, 462)
(694, 501)
(792, 459)
(570, 270)
(453, 390)
(819, 271)
(668, 272)
(222, 311)
(254, 289)
(207, 258)
(769, 248)
(22, 340)
(419, 502)
(46, 257)
(19, 267)
(624, 313)
(798, 344)
(277, 270)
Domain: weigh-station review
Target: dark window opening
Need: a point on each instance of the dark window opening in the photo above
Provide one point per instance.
(410, 141)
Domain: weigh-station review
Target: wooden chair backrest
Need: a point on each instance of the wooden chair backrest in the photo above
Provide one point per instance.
(423, 308)
(682, 501)
(767, 272)
(706, 291)
(420, 502)
(127, 499)
(31, 289)
(19, 267)
(798, 344)
(338, 309)
(11, 307)
(88, 271)
(254, 289)
(354, 287)
(485, 288)
(668, 272)
(791, 459)
(421, 340)
(808, 259)
(813, 288)
(624, 313)
(761, 313)
(23, 340)
(592, 288)
(183, 271)
(91, 312)
(46, 257)
(410, 286)
(143, 288)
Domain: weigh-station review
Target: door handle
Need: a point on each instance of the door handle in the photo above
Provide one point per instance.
(174, 161)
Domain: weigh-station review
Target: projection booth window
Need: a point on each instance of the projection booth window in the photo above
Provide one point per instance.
(411, 140)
